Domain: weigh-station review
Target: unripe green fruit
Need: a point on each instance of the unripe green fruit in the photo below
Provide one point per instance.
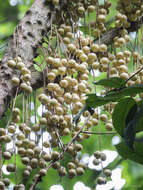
(11, 129)
(6, 181)
(43, 172)
(71, 47)
(109, 126)
(18, 143)
(103, 156)
(46, 144)
(56, 165)
(11, 64)
(66, 131)
(71, 165)
(55, 155)
(66, 40)
(25, 160)
(37, 150)
(11, 168)
(101, 18)
(79, 171)
(62, 171)
(2, 185)
(107, 172)
(101, 180)
(102, 48)
(81, 10)
(55, 2)
(34, 162)
(26, 88)
(92, 57)
(46, 157)
(7, 155)
(15, 81)
(61, 31)
(2, 139)
(30, 152)
(27, 77)
(21, 187)
(26, 173)
(72, 173)
(97, 154)
(36, 127)
(43, 121)
(103, 117)
(27, 130)
(21, 151)
(25, 71)
(16, 111)
(17, 59)
(91, 8)
(96, 162)
(29, 168)
(42, 163)
(20, 136)
(2, 131)
(20, 65)
(83, 57)
(78, 147)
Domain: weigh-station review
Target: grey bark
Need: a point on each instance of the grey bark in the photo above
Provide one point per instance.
(26, 38)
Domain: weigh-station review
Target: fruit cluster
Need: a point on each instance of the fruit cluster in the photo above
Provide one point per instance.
(70, 67)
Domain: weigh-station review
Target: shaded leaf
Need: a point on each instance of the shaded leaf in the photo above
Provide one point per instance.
(127, 153)
(120, 113)
(131, 128)
(114, 82)
(129, 135)
(115, 95)
(126, 91)
(131, 113)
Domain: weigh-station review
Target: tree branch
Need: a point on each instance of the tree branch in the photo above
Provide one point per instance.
(108, 37)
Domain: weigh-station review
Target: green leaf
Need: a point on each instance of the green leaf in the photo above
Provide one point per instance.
(127, 153)
(120, 114)
(94, 101)
(115, 95)
(114, 82)
(129, 135)
(130, 130)
(131, 113)
(126, 91)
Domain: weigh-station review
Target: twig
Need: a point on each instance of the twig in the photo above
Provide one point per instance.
(99, 133)
(59, 139)
(134, 74)
(36, 180)
(0, 160)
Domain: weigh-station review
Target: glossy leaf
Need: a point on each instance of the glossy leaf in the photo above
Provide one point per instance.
(126, 91)
(114, 82)
(129, 134)
(127, 153)
(115, 95)
(120, 114)
(130, 130)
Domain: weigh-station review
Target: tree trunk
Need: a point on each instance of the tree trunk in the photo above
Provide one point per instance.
(24, 42)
